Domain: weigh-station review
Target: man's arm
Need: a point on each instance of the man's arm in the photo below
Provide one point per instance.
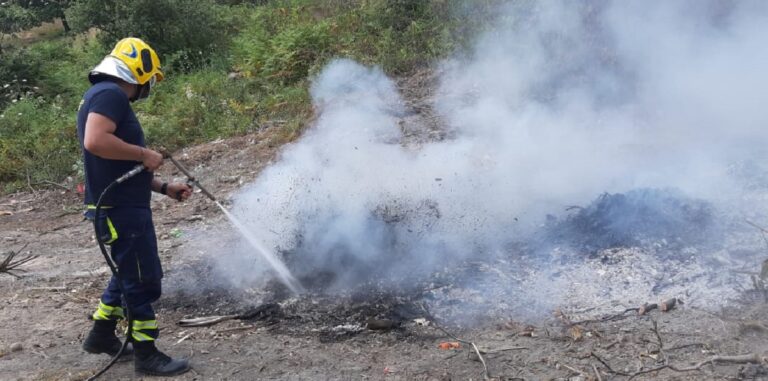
(100, 140)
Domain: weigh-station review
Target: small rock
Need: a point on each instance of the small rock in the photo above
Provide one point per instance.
(380, 324)
(16, 347)
(421, 321)
(195, 217)
(229, 179)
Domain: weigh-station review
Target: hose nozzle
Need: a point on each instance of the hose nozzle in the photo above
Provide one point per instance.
(190, 178)
(133, 172)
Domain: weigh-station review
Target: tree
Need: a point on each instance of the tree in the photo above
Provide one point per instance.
(192, 31)
(17, 15)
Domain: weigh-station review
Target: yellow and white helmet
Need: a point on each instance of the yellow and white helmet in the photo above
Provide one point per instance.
(133, 61)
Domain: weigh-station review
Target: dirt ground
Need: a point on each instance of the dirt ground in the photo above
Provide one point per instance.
(43, 317)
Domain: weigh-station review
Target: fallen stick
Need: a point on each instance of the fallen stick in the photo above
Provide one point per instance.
(490, 352)
(658, 337)
(48, 182)
(8, 265)
(686, 346)
(204, 321)
(486, 374)
(614, 317)
(234, 329)
(572, 369)
(762, 229)
(597, 373)
(605, 363)
(751, 358)
(647, 307)
(668, 305)
(183, 338)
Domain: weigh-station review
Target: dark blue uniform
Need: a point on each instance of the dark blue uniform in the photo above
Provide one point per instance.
(126, 219)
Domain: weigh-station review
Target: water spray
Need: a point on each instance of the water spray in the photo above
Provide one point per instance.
(277, 265)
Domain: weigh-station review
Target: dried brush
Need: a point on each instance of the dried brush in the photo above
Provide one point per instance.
(11, 264)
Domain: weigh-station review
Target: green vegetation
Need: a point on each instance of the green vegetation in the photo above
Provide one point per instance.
(232, 67)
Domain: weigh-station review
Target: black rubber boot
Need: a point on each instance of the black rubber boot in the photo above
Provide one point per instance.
(102, 339)
(150, 361)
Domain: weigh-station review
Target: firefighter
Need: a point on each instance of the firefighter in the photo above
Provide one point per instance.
(113, 143)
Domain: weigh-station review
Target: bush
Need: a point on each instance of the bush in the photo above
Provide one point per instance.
(277, 46)
(195, 108)
(37, 139)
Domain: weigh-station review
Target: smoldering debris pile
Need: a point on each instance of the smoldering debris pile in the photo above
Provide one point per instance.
(558, 102)
(638, 218)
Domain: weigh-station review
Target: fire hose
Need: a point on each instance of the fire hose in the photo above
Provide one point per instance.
(192, 181)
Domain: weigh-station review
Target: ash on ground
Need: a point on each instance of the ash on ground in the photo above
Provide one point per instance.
(638, 218)
(644, 246)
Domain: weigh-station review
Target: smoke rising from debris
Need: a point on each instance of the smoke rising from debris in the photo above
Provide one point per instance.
(557, 103)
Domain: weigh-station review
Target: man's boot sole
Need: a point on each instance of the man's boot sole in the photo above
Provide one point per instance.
(158, 374)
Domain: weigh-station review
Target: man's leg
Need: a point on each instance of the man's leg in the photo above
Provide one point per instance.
(102, 338)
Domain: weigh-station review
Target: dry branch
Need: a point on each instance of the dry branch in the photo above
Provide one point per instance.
(486, 374)
(668, 305)
(10, 264)
(647, 307)
(597, 373)
(752, 358)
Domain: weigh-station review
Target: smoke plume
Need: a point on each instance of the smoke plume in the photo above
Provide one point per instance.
(558, 102)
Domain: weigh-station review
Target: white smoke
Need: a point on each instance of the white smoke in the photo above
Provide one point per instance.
(559, 102)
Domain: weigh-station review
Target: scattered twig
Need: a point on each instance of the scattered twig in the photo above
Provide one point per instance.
(490, 352)
(486, 374)
(55, 184)
(29, 184)
(597, 373)
(183, 338)
(658, 337)
(738, 359)
(204, 321)
(669, 304)
(55, 288)
(614, 317)
(762, 229)
(234, 329)
(8, 265)
(572, 369)
(610, 369)
(686, 346)
(647, 307)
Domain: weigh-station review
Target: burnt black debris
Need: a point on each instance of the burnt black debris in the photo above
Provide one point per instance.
(637, 218)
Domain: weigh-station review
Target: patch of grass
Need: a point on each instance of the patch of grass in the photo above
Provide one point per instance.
(258, 79)
(37, 139)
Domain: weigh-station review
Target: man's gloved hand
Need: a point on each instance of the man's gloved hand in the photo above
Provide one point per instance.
(179, 191)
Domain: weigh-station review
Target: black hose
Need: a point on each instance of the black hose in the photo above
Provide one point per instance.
(112, 266)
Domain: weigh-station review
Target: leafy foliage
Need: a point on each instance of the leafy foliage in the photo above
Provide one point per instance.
(236, 66)
(187, 33)
(14, 18)
(17, 15)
